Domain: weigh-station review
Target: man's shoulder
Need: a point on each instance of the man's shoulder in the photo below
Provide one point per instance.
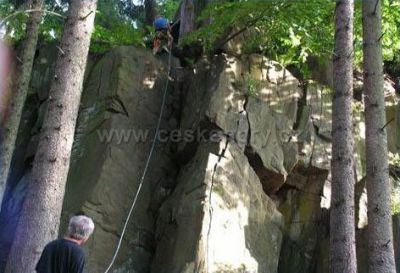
(71, 244)
(64, 253)
(53, 243)
(65, 244)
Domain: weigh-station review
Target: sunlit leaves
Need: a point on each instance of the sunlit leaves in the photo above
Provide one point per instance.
(390, 29)
(115, 33)
(112, 28)
(15, 26)
(290, 31)
(168, 8)
(286, 30)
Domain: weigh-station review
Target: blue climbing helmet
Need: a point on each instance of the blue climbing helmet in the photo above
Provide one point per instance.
(161, 23)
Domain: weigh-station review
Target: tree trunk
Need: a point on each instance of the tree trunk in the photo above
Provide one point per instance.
(342, 222)
(190, 10)
(380, 236)
(40, 216)
(187, 18)
(10, 131)
(5, 76)
(151, 11)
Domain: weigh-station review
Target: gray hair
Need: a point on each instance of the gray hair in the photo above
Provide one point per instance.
(80, 227)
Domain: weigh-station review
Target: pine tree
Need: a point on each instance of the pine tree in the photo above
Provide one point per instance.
(342, 226)
(380, 236)
(40, 216)
(20, 91)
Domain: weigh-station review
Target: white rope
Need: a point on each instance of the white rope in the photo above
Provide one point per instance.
(146, 166)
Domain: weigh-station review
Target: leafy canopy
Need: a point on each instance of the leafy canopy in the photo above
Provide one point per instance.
(286, 30)
(118, 22)
(290, 31)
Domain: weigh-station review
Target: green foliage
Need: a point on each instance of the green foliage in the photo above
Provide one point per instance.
(396, 201)
(390, 29)
(168, 8)
(357, 108)
(394, 160)
(252, 84)
(111, 33)
(15, 25)
(50, 29)
(224, 268)
(52, 26)
(290, 31)
(104, 39)
(111, 27)
(285, 30)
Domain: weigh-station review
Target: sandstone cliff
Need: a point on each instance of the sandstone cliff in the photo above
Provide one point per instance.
(240, 179)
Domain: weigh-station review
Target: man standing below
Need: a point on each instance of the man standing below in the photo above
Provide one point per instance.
(66, 255)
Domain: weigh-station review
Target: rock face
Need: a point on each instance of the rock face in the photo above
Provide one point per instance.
(305, 220)
(218, 219)
(239, 181)
(254, 101)
(120, 108)
(396, 233)
(236, 227)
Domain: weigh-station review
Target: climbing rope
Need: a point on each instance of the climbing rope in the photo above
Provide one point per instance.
(153, 145)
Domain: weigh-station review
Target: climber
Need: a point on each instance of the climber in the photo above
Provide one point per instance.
(66, 255)
(163, 33)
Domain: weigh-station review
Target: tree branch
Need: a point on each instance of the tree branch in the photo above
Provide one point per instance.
(86, 16)
(387, 123)
(2, 22)
(380, 38)
(250, 24)
(376, 6)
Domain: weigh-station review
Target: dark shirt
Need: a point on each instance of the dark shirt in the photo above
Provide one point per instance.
(61, 256)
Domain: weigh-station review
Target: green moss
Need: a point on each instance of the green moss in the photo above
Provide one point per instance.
(218, 189)
(252, 84)
(394, 160)
(357, 108)
(396, 201)
(229, 202)
(224, 268)
(306, 208)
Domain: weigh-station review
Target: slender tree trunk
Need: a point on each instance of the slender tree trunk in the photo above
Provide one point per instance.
(380, 236)
(5, 76)
(40, 216)
(342, 226)
(10, 131)
(151, 11)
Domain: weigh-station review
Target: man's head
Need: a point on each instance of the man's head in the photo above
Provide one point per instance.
(80, 228)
